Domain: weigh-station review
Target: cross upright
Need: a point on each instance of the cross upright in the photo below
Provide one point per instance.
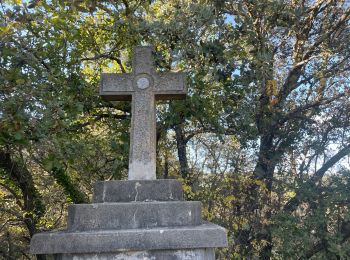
(143, 86)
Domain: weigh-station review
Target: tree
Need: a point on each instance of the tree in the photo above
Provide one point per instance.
(297, 62)
(261, 138)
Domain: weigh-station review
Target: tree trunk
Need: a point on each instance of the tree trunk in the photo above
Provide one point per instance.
(264, 172)
(181, 151)
(166, 166)
(32, 204)
(33, 207)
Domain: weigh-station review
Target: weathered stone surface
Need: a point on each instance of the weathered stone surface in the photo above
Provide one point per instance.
(83, 217)
(142, 155)
(112, 83)
(182, 254)
(146, 190)
(193, 237)
(143, 86)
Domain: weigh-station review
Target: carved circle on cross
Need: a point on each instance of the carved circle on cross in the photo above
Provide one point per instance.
(143, 81)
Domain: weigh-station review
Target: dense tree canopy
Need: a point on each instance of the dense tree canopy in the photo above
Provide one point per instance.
(263, 138)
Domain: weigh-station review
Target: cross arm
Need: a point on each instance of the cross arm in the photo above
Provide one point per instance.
(116, 86)
(170, 85)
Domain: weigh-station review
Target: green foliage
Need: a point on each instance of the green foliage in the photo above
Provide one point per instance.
(259, 140)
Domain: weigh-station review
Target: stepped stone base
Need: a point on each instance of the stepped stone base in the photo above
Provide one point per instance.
(134, 220)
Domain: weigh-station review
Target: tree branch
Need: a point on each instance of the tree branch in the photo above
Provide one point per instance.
(330, 163)
(295, 112)
(106, 56)
(13, 192)
(19, 174)
(293, 203)
(96, 119)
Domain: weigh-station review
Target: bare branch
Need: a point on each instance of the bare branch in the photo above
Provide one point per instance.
(106, 56)
(297, 111)
(13, 192)
(293, 203)
(330, 163)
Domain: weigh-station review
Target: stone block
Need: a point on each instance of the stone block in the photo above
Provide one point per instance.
(138, 190)
(132, 215)
(107, 241)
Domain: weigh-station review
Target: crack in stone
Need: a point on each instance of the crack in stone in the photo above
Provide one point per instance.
(103, 193)
(137, 184)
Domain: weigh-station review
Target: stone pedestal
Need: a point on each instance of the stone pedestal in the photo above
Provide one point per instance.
(134, 220)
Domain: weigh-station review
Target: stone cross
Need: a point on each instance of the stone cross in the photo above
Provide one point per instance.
(143, 86)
